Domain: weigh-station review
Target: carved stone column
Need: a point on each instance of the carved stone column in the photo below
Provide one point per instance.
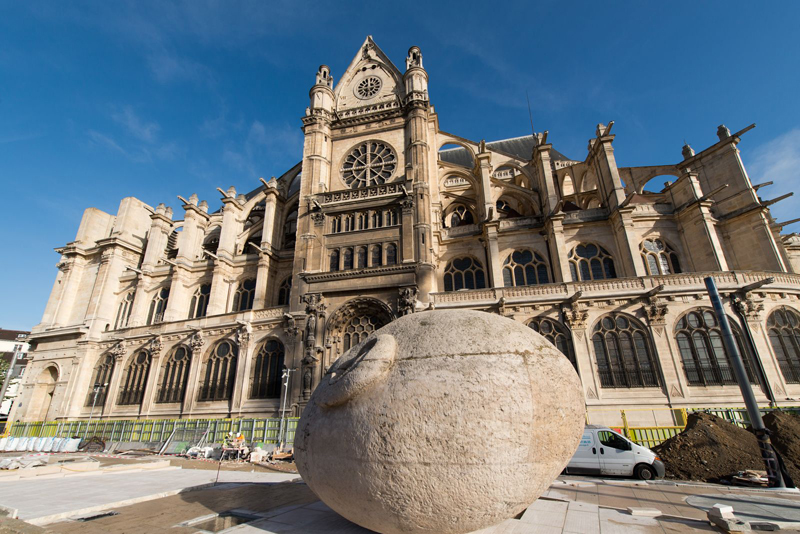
(315, 310)
(155, 347)
(118, 351)
(244, 338)
(196, 343)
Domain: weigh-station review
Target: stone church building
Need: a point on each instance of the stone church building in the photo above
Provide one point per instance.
(195, 314)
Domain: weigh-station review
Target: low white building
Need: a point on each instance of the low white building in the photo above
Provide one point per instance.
(13, 350)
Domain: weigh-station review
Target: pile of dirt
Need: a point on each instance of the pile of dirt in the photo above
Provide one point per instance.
(709, 449)
(785, 436)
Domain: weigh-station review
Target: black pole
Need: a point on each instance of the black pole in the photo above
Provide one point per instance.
(761, 432)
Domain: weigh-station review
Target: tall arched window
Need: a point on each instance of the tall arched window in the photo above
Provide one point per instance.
(135, 380)
(290, 227)
(285, 292)
(124, 311)
(459, 216)
(361, 257)
(391, 254)
(158, 306)
(347, 259)
(176, 374)
(334, 261)
(658, 257)
(102, 378)
(588, 261)
(705, 360)
(376, 256)
(267, 369)
(783, 326)
(524, 268)
(624, 354)
(554, 332)
(220, 372)
(245, 293)
(464, 273)
(199, 303)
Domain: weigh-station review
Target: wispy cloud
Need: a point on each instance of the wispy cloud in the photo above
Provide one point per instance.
(264, 142)
(778, 161)
(139, 128)
(102, 140)
(15, 138)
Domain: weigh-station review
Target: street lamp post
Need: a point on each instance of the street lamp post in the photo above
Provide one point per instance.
(286, 373)
(97, 389)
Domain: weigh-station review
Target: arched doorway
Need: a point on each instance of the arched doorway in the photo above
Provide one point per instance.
(42, 396)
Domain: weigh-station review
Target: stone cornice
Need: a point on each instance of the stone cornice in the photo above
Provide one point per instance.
(359, 273)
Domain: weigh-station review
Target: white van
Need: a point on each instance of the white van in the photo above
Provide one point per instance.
(604, 452)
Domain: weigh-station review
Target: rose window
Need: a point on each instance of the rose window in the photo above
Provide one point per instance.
(368, 87)
(371, 163)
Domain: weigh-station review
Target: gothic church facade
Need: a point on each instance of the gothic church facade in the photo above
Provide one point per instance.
(153, 315)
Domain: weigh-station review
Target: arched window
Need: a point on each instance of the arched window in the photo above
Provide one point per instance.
(391, 254)
(377, 219)
(220, 372)
(624, 355)
(158, 306)
(285, 292)
(393, 218)
(135, 380)
(376, 256)
(199, 303)
(783, 326)
(124, 311)
(211, 241)
(102, 379)
(588, 261)
(176, 374)
(505, 210)
(524, 268)
(358, 329)
(349, 221)
(347, 258)
(361, 257)
(361, 220)
(336, 224)
(334, 262)
(658, 257)
(554, 332)
(243, 298)
(460, 216)
(267, 369)
(290, 228)
(705, 360)
(464, 273)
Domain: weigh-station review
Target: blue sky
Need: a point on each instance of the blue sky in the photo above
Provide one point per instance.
(103, 100)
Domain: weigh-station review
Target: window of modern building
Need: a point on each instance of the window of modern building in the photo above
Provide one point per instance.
(658, 257)
(783, 326)
(464, 273)
(391, 254)
(285, 292)
(334, 261)
(555, 332)
(198, 306)
(588, 261)
(524, 268)
(175, 376)
(244, 295)
(624, 354)
(158, 306)
(102, 378)
(705, 360)
(124, 311)
(267, 369)
(134, 382)
(220, 372)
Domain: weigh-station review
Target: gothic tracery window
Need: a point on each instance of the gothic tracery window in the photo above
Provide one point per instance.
(245, 293)
(554, 332)
(124, 311)
(290, 228)
(624, 354)
(524, 268)
(220, 372)
(783, 326)
(175, 376)
(267, 369)
(102, 378)
(588, 261)
(460, 216)
(347, 259)
(705, 360)
(158, 306)
(334, 260)
(391, 254)
(198, 307)
(134, 381)
(285, 292)
(464, 273)
(361, 257)
(658, 257)
(376, 256)
(370, 163)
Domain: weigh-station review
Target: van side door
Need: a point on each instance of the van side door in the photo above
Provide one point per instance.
(586, 460)
(616, 456)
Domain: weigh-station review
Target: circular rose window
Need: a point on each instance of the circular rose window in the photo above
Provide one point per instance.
(370, 163)
(368, 87)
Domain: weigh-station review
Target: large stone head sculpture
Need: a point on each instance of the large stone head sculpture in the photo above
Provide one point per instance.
(440, 422)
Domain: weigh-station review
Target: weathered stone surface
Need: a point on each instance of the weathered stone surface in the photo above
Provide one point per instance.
(441, 421)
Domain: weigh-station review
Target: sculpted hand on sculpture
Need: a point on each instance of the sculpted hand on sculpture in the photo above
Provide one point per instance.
(440, 422)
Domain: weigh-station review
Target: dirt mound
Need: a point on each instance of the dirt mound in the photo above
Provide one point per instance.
(785, 436)
(709, 449)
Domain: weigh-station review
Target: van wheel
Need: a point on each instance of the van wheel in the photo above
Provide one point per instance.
(645, 472)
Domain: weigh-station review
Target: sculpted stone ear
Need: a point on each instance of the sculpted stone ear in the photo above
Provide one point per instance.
(356, 371)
